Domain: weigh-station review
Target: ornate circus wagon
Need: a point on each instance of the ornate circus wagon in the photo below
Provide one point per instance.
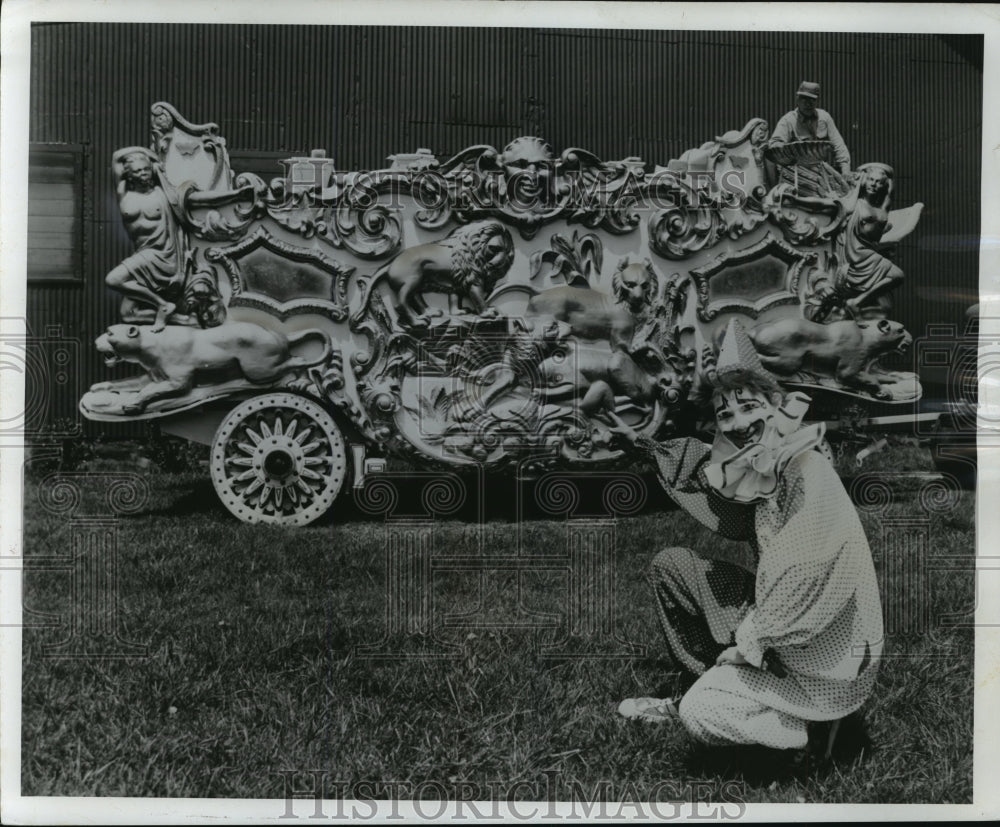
(502, 309)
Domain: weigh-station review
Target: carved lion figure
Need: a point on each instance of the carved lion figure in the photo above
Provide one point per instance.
(567, 316)
(594, 379)
(635, 285)
(842, 350)
(174, 357)
(465, 265)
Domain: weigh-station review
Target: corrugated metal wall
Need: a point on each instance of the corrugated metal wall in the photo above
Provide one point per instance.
(363, 93)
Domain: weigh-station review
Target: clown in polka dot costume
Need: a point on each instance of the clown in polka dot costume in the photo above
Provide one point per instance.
(800, 641)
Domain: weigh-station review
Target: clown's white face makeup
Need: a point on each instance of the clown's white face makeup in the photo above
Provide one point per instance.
(742, 415)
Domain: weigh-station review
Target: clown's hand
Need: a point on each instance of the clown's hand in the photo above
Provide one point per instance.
(621, 429)
(731, 655)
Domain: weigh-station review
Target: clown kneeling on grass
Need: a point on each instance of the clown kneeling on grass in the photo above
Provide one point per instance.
(798, 643)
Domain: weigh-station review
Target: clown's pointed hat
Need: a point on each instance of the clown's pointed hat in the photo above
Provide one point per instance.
(737, 353)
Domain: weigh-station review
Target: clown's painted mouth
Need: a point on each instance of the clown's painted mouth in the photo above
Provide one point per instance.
(747, 435)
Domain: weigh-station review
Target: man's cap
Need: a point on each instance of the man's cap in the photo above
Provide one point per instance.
(810, 90)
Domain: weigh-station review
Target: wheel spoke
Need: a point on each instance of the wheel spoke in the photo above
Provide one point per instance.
(255, 438)
(264, 495)
(264, 429)
(300, 438)
(251, 488)
(301, 483)
(247, 449)
(246, 475)
(312, 446)
(292, 426)
(317, 460)
(279, 495)
(278, 428)
(309, 474)
(293, 494)
(244, 461)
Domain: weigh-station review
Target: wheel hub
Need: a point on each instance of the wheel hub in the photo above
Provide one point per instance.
(278, 460)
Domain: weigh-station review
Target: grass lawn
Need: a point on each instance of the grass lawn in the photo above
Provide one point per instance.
(252, 668)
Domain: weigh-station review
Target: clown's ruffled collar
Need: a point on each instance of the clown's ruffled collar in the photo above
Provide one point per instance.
(752, 473)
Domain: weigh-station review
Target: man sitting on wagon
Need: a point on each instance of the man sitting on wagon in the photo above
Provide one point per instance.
(799, 643)
(807, 122)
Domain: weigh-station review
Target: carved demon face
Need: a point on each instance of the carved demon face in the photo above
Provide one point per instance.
(528, 165)
(742, 415)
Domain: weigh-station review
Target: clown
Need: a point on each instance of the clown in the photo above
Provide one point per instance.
(767, 655)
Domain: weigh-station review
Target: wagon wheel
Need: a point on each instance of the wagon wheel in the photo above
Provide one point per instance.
(278, 458)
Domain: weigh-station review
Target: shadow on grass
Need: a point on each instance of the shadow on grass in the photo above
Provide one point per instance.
(759, 766)
(497, 498)
(501, 498)
(183, 496)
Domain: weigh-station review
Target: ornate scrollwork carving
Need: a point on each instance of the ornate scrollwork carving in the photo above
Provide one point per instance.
(194, 162)
(348, 216)
(708, 193)
(781, 288)
(362, 224)
(804, 220)
(678, 232)
(527, 186)
(577, 260)
(189, 151)
(256, 280)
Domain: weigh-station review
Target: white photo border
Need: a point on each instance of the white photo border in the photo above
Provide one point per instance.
(17, 16)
